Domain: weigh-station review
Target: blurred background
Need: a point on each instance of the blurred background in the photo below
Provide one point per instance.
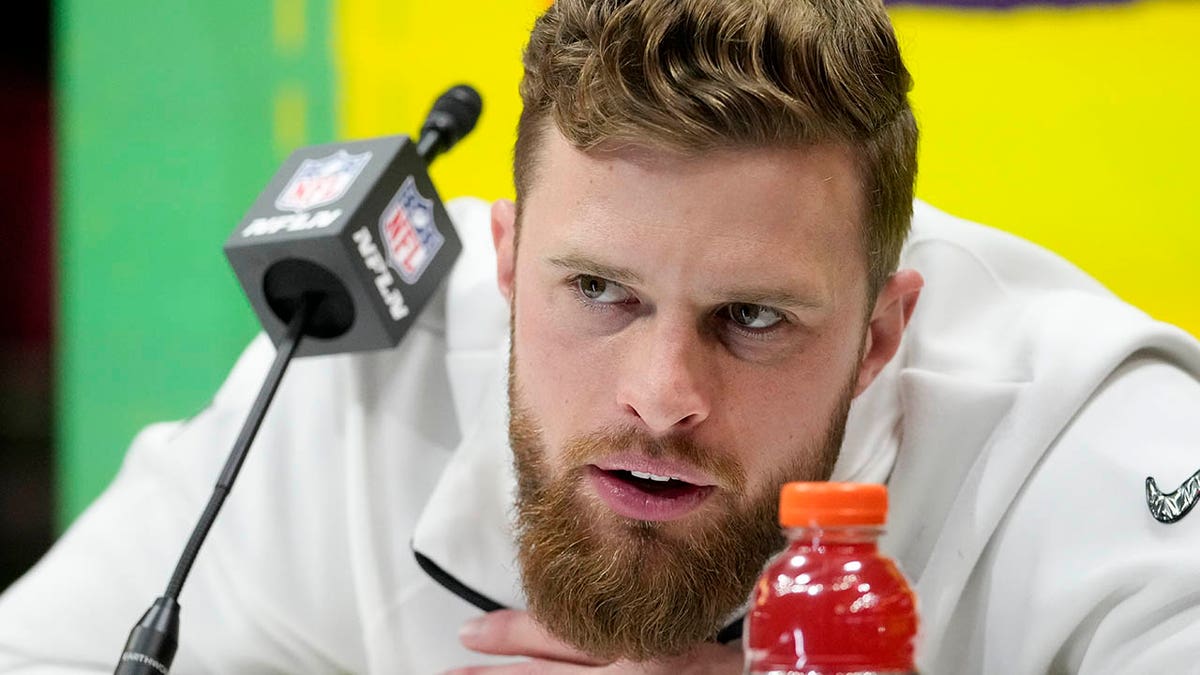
(135, 135)
(27, 280)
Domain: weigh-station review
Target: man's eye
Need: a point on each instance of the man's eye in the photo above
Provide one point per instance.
(750, 316)
(601, 290)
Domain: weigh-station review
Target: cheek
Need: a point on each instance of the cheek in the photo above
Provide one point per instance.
(780, 414)
(564, 375)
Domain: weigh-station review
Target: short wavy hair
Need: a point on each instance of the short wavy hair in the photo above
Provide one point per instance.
(692, 76)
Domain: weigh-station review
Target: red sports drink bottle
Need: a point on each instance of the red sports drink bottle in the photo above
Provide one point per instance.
(831, 603)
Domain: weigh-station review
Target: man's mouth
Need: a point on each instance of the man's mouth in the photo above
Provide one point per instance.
(645, 495)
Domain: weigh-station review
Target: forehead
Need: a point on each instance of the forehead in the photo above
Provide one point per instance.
(780, 211)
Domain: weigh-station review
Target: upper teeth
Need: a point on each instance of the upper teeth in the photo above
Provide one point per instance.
(650, 476)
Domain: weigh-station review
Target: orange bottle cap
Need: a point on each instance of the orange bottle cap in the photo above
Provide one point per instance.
(820, 504)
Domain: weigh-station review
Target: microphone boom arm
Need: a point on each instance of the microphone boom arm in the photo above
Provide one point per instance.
(153, 640)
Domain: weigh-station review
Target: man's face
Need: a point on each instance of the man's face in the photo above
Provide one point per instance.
(694, 319)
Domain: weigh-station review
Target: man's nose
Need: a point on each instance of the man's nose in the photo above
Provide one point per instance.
(667, 380)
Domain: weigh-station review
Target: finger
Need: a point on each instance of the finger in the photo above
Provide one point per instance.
(705, 659)
(515, 633)
(535, 667)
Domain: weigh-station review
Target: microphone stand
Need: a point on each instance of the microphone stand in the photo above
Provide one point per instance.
(154, 639)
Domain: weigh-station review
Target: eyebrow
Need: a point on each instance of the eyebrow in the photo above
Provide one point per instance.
(770, 297)
(581, 265)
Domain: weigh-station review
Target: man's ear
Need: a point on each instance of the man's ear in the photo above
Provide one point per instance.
(504, 217)
(893, 308)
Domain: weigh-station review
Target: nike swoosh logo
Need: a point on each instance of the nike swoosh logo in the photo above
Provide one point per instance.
(1171, 506)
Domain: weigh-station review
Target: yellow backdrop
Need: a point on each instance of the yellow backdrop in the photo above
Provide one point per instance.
(1070, 127)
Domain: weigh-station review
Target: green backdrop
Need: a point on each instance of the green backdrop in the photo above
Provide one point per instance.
(172, 116)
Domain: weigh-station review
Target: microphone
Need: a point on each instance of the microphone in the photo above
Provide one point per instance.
(359, 227)
(339, 253)
(452, 117)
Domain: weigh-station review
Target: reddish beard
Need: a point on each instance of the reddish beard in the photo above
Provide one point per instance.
(624, 589)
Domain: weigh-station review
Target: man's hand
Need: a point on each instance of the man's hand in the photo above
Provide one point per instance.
(515, 633)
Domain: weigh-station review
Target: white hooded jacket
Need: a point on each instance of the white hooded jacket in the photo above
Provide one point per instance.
(1015, 430)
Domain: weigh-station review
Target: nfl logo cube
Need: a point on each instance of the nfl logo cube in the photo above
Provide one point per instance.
(357, 223)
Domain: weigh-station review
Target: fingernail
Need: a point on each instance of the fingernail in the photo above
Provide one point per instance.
(471, 629)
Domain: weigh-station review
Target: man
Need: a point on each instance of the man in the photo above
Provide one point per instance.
(706, 296)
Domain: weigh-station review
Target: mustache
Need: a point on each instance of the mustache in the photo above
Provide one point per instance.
(598, 445)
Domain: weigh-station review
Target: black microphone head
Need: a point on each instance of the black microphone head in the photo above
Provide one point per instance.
(452, 117)
(357, 231)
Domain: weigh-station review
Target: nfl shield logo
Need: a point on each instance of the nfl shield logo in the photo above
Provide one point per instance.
(321, 181)
(408, 230)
